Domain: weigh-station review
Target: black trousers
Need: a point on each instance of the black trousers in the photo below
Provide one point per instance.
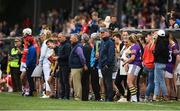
(95, 83)
(118, 83)
(64, 82)
(15, 73)
(107, 77)
(30, 79)
(85, 85)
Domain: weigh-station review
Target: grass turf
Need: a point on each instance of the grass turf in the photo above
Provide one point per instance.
(13, 101)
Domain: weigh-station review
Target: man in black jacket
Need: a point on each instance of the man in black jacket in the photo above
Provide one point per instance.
(107, 61)
(86, 74)
(63, 62)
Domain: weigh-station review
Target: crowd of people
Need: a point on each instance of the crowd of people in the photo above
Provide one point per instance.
(134, 13)
(90, 59)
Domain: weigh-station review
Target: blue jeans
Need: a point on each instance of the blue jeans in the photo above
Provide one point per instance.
(150, 80)
(159, 79)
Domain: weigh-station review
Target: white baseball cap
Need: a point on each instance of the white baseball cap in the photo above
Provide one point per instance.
(95, 35)
(161, 33)
(27, 31)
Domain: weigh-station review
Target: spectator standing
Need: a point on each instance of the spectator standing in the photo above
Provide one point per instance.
(174, 23)
(86, 73)
(107, 61)
(122, 78)
(161, 56)
(148, 63)
(93, 23)
(5, 28)
(46, 64)
(77, 63)
(94, 65)
(63, 63)
(114, 23)
(31, 64)
(14, 59)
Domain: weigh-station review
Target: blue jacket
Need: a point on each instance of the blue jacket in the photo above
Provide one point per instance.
(93, 60)
(31, 57)
(77, 29)
(107, 53)
(93, 26)
(76, 58)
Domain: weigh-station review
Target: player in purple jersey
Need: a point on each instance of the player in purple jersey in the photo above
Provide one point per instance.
(134, 62)
(169, 72)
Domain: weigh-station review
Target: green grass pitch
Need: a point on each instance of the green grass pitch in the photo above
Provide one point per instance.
(14, 101)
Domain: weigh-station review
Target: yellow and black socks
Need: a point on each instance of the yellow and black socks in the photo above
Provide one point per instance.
(133, 90)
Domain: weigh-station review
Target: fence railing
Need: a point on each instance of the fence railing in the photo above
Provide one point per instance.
(147, 30)
(123, 29)
(9, 41)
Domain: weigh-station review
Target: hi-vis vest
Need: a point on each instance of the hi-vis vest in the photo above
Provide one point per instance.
(14, 62)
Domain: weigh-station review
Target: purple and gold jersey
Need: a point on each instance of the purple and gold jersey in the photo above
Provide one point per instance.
(173, 51)
(136, 50)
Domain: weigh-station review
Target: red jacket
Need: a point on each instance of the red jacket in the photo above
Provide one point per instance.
(85, 29)
(148, 57)
(25, 51)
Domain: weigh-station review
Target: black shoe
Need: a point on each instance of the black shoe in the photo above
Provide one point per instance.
(22, 93)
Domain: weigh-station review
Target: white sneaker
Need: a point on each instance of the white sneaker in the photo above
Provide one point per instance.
(26, 94)
(10, 89)
(77, 99)
(122, 100)
(141, 99)
(44, 96)
(134, 98)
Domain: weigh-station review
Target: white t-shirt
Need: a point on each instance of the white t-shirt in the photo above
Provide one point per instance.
(124, 57)
(45, 53)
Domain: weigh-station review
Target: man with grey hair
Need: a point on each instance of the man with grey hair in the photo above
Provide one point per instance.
(63, 61)
(107, 61)
(95, 79)
(77, 63)
(86, 74)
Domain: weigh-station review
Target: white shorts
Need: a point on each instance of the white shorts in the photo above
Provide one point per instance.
(114, 74)
(23, 67)
(168, 75)
(134, 69)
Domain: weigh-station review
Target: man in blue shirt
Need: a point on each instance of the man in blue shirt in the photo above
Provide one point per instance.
(31, 64)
